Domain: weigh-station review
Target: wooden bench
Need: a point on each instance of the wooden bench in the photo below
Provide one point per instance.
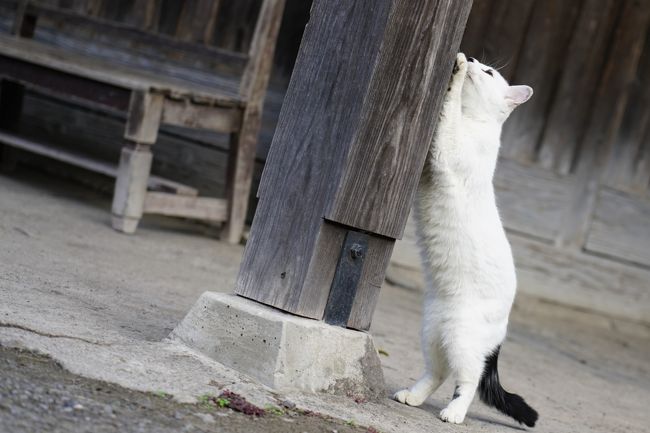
(154, 78)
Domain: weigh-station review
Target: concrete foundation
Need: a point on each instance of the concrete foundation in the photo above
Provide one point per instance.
(283, 351)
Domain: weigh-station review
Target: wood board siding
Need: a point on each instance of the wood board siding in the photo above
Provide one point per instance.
(572, 182)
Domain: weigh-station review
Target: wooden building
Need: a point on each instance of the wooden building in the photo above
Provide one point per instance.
(573, 180)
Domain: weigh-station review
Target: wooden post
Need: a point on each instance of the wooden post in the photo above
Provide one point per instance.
(143, 120)
(356, 124)
(242, 144)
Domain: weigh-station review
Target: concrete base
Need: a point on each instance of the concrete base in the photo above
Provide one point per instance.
(283, 351)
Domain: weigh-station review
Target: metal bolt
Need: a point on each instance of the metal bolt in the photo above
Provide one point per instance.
(356, 251)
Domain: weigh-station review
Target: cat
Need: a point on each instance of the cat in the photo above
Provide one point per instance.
(468, 265)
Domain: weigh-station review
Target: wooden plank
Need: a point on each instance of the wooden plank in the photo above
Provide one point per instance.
(540, 65)
(143, 118)
(184, 155)
(387, 153)
(182, 113)
(613, 92)
(584, 281)
(569, 277)
(258, 69)
(201, 208)
(144, 14)
(197, 20)
(502, 41)
(574, 99)
(620, 227)
(30, 74)
(110, 170)
(113, 32)
(477, 27)
(628, 167)
(531, 200)
(317, 121)
(106, 72)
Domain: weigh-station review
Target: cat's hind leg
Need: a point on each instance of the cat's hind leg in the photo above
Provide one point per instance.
(467, 368)
(434, 375)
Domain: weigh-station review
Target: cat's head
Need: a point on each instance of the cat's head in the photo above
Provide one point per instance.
(487, 94)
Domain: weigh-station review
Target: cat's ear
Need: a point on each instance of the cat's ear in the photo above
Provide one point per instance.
(517, 95)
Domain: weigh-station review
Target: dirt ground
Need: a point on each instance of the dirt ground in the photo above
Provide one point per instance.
(38, 395)
(101, 304)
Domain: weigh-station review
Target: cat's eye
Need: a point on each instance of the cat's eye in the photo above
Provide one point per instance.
(489, 72)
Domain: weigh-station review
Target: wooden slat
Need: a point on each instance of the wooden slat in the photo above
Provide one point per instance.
(197, 20)
(577, 88)
(155, 183)
(531, 200)
(387, 154)
(620, 227)
(220, 119)
(570, 277)
(258, 69)
(505, 35)
(202, 208)
(579, 279)
(102, 71)
(477, 27)
(138, 39)
(144, 13)
(610, 101)
(542, 57)
(628, 168)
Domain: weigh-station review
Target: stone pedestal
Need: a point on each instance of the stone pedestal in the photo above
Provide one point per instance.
(283, 351)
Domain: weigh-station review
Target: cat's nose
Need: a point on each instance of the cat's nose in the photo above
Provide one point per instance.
(471, 59)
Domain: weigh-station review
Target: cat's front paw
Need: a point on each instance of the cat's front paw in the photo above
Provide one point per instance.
(407, 397)
(460, 66)
(452, 415)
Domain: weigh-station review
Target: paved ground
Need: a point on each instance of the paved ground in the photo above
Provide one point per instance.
(37, 395)
(101, 304)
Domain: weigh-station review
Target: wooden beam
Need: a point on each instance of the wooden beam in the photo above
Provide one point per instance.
(596, 146)
(155, 183)
(369, 77)
(184, 113)
(203, 208)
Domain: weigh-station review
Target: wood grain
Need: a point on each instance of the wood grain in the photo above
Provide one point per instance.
(628, 168)
(202, 208)
(619, 227)
(387, 153)
(539, 66)
(575, 278)
(574, 99)
(316, 124)
(613, 93)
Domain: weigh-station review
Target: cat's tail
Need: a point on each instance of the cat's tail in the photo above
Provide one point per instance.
(493, 394)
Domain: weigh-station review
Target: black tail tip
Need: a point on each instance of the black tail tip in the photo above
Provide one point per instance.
(518, 409)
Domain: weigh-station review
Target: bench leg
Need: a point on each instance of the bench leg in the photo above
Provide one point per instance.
(142, 124)
(11, 107)
(241, 165)
(131, 187)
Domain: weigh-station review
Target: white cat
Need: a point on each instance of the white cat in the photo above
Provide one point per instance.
(466, 257)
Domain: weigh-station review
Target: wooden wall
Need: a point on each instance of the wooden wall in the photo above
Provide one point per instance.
(573, 179)
(574, 174)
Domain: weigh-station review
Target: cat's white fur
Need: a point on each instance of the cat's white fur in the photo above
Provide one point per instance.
(466, 257)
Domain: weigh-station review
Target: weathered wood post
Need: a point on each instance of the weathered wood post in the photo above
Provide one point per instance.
(346, 158)
(347, 154)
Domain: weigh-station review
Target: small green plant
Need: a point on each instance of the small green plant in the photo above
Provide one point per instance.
(205, 401)
(274, 410)
(162, 394)
(222, 402)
